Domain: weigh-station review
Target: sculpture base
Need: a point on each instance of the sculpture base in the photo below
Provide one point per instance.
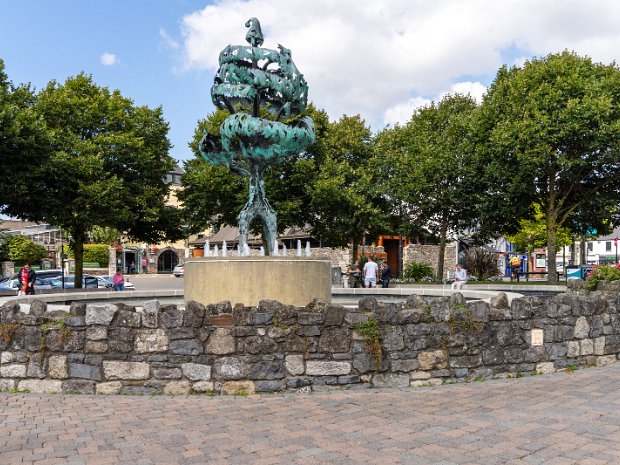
(247, 280)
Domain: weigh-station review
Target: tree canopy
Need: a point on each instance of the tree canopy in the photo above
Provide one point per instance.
(429, 169)
(553, 129)
(103, 165)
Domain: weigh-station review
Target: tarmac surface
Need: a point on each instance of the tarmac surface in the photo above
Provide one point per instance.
(565, 418)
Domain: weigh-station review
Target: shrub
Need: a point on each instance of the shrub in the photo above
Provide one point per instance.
(419, 271)
(602, 273)
(480, 263)
(94, 253)
(21, 250)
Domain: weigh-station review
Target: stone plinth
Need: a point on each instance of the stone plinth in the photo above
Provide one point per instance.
(247, 280)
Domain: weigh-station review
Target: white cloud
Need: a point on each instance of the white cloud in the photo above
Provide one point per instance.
(108, 59)
(475, 89)
(381, 59)
(402, 112)
(168, 41)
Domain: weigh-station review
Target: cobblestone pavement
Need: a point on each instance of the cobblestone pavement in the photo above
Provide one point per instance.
(561, 418)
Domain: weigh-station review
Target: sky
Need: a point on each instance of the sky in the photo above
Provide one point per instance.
(381, 59)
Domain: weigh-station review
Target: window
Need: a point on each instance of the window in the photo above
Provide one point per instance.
(590, 246)
(608, 246)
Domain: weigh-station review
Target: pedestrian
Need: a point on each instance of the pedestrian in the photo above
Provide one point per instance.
(370, 273)
(355, 274)
(515, 267)
(460, 277)
(118, 281)
(26, 278)
(386, 274)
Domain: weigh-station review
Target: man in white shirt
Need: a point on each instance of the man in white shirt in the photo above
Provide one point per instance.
(460, 277)
(370, 273)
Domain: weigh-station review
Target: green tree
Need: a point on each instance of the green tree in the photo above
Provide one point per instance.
(552, 128)
(98, 253)
(346, 199)
(430, 171)
(24, 142)
(532, 234)
(21, 250)
(103, 235)
(105, 167)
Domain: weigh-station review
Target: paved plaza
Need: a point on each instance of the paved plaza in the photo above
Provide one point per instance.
(561, 419)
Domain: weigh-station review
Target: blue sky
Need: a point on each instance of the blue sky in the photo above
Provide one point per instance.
(46, 40)
(380, 59)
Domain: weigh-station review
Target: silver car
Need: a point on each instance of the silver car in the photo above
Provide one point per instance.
(179, 270)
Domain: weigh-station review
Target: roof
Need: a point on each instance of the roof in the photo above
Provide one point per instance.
(176, 169)
(230, 234)
(16, 225)
(610, 237)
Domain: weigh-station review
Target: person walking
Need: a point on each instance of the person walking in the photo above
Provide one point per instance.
(386, 274)
(118, 281)
(460, 277)
(370, 272)
(26, 279)
(515, 267)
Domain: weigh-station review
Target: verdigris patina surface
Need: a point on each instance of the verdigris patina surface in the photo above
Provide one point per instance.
(266, 96)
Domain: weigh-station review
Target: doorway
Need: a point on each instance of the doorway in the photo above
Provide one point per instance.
(166, 261)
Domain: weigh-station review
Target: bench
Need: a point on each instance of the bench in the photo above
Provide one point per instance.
(528, 273)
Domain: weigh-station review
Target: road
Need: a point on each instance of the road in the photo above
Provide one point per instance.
(152, 282)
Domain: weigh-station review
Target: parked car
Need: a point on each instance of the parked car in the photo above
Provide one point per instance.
(179, 270)
(88, 282)
(12, 284)
(106, 281)
(41, 274)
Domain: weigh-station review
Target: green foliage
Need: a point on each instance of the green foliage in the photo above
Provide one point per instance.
(532, 233)
(103, 165)
(428, 169)
(418, 271)
(481, 263)
(103, 235)
(602, 273)
(98, 253)
(21, 250)
(462, 318)
(371, 333)
(550, 132)
(24, 146)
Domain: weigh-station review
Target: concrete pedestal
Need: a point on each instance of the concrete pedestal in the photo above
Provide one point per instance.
(247, 280)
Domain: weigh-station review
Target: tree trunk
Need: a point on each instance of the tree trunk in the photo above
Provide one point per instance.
(582, 250)
(353, 249)
(78, 250)
(442, 248)
(552, 276)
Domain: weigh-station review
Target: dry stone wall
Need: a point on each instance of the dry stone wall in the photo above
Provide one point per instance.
(162, 349)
